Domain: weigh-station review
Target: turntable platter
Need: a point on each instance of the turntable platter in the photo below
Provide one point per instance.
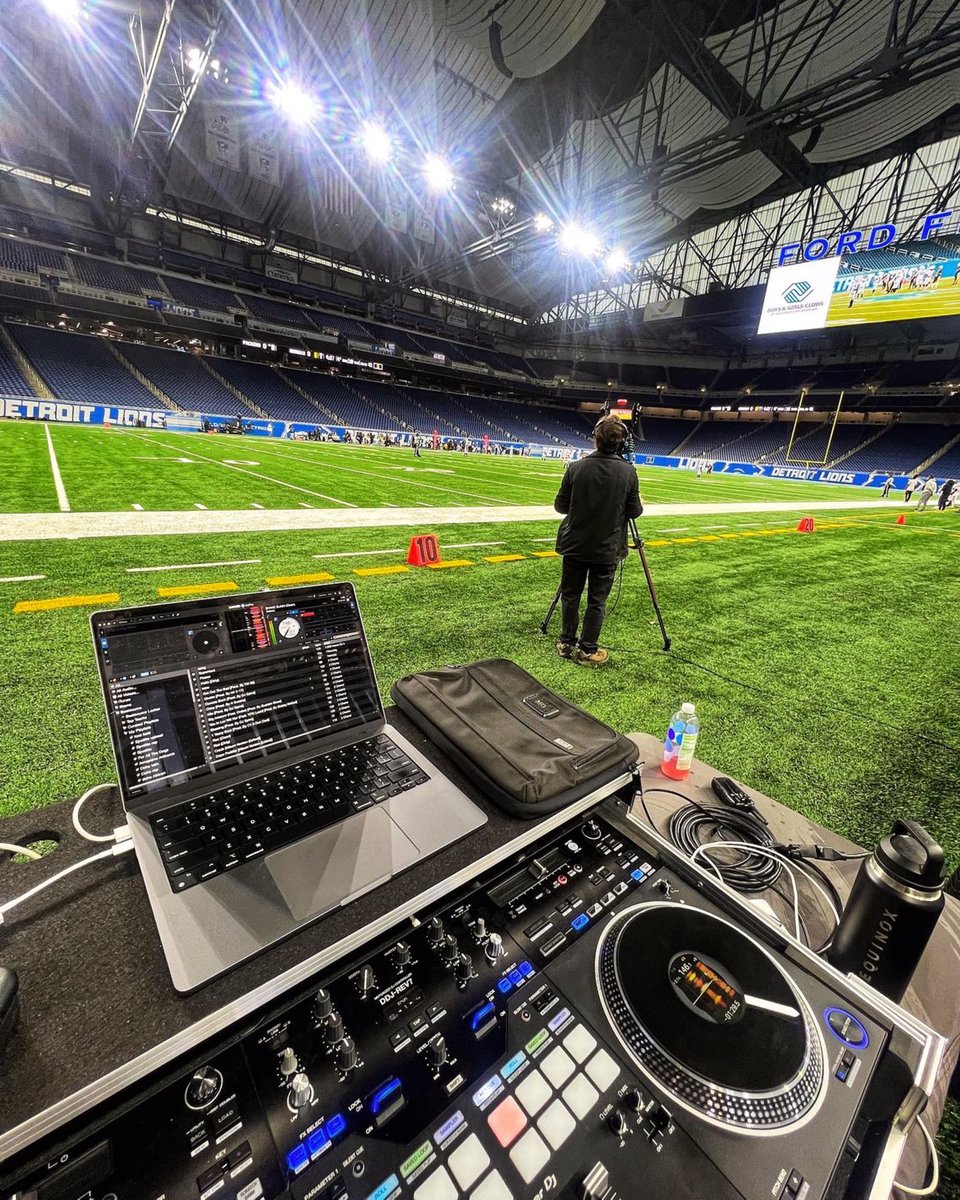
(710, 1015)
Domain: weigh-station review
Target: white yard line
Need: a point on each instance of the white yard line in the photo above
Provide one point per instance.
(256, 505)
(233, 562)
(20, 578)
(464, 545)
(359, 553)
(16, 527)
(137, 507)
(55, 471)
(304, 504)
(203, 506)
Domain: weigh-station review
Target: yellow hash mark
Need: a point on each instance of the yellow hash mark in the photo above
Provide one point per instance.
(683, 541)
(545, 554)
(708, 537)
(282, 580)
(767, 532)
(196, 589)
(399, 570)
(728, 536)
(504, 557)
(451, 562)
(65, 602)
(658, 542)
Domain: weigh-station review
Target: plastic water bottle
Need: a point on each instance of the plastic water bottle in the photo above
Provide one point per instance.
(681, 742)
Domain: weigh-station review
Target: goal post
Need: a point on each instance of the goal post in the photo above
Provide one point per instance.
(812, 462)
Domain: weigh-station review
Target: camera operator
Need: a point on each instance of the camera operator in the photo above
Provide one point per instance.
(598, 495)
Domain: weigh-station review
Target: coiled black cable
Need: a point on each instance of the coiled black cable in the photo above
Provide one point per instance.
(695, 825)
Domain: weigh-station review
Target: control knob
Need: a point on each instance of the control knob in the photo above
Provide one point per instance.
(633, 1099)
(480, 928)
(333, 1029)
(288, 1063)
(493, 947)
(204, 1087)
(617, 1122)
(437, 1051)
(322, 1005)
(449, 948)
(402, 954)
(301, 1090)
(463, 969)
(596, 1183)
(366, 982)
(591, 831)
(434, 931)
(346, 1055)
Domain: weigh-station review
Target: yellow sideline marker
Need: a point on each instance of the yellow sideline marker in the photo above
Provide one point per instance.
(450, 562)
(503, 557)
(398, 570)
(545, 554)
(196, 589)
(284, 580)
(66, 602)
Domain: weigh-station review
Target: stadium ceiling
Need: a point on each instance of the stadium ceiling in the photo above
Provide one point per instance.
(643, 120)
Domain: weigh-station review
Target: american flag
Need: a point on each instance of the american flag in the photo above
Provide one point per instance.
(335, 191)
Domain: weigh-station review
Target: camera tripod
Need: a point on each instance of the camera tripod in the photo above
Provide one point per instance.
(638, 546)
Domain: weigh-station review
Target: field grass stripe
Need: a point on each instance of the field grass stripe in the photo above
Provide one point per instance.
(55, 471)
(66, 602)
(363, 571)
(231, 562)
(284, 580)
(195, 589)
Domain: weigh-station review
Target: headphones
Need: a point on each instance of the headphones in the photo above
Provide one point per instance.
(622, 432)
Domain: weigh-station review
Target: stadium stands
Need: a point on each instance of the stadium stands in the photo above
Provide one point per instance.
(24, 256)
(343, 325)
(902, 448)
(183, 378)
(662, 435)
(812, 446)
(113, 277)
(277, 313)
(347, 406)
(201, 295)
(12, 383)
(82, 368)
(268, 390)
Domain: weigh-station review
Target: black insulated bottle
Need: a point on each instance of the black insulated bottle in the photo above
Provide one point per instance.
(893, 907)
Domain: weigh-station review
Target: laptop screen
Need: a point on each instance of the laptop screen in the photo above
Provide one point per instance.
(209, 686)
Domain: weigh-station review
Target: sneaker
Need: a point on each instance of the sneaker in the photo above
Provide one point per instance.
(565, 649)
(596, 658)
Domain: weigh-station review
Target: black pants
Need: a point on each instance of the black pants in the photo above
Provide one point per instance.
(598, 578)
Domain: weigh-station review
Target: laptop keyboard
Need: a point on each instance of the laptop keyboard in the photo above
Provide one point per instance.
(201, 839)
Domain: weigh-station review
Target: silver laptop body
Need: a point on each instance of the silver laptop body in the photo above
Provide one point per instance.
(243, 692)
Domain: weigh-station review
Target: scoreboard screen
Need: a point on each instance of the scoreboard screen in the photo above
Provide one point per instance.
(621, 408)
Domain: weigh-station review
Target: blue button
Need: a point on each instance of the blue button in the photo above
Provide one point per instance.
(526, 970)
(298, 1158)
(846, 1028)
(504, 985)
(516, 978)
(317, 1142)
(381, 1097)
(559, 1019)
(487, 1091)
(636, 876)
(580, 922)
(335, 1126)
(387, 1188)
(514, 1065)
(448, 1127)
(482, 1015)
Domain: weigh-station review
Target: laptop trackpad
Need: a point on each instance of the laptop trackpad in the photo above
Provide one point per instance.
(330, 866)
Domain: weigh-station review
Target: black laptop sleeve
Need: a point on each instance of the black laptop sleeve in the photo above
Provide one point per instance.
(525, 747)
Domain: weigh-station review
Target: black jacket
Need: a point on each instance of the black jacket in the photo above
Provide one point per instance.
(598, 494)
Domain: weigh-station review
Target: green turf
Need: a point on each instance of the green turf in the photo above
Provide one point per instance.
(117, 469)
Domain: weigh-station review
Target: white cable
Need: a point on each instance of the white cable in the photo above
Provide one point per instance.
(19, 850)
(934, 1162)
(767, 853)
(119, 848)
(119, 834)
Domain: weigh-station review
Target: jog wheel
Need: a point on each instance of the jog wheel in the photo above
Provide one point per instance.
(709, 1015)
(206, 641)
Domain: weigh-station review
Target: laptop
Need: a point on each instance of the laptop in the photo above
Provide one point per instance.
(260, 781)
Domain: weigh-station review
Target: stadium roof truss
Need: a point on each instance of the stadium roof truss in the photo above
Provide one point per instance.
(739, 252)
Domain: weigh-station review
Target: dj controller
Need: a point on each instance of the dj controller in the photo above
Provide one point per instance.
(591, 1020)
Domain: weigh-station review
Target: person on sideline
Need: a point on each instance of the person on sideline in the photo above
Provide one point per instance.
(912, 484)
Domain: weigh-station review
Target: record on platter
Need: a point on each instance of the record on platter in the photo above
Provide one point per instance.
(708, 1012)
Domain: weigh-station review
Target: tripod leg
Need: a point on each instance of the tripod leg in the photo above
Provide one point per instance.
(545, 623)
(638, 544)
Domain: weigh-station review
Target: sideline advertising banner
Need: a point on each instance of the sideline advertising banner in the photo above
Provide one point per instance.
(775, 471)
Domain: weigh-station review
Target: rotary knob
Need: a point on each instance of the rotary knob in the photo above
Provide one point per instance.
(493, 948)
(333, 1029)
(288, 1062)
(367, 982)
(434, 931)
(322, 1005)
(301, 1090)
(449, 948)
(463, 969)
(203, 1088)
(480, 928)
(402, 954)
(346, 1055)
(437, 1051)
(591, 831)
(617, 1123)
(633, 1099)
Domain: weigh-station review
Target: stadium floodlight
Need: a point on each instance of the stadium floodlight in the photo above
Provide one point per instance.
(575, 239)
(542, 223)
(377, 143)
(438, 173)
(292, 100)
(616, 262)
(67, 11)
(503, 205)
